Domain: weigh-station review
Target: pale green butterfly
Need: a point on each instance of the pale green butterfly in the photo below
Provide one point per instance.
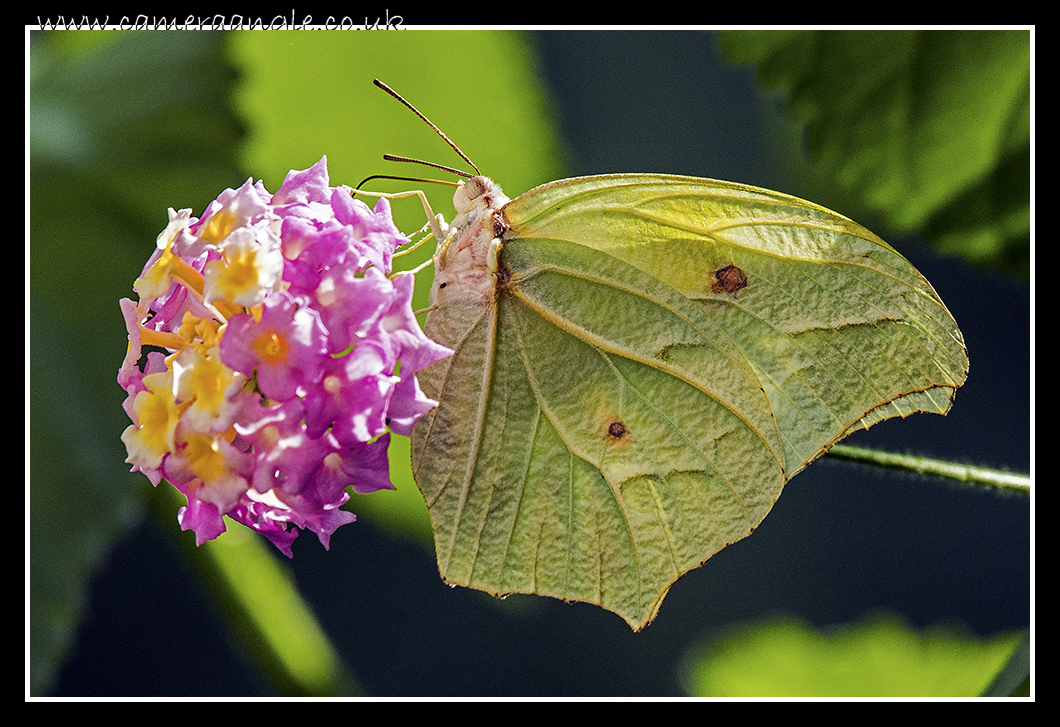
(641, 362)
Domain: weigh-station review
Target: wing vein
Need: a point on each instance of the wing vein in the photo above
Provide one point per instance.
(479, 422)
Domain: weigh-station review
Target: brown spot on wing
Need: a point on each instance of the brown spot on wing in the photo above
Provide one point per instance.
(729, 279)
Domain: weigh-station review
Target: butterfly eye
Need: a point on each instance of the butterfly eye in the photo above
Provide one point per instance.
(475, 187)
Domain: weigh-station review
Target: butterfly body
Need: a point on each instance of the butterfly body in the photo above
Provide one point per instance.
(466, 260)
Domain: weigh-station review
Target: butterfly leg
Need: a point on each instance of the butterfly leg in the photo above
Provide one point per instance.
(436, 222)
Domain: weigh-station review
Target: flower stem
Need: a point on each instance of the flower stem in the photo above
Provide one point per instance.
(274, 623)
(979, 476)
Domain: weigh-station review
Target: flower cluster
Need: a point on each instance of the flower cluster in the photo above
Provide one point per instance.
(289, 354)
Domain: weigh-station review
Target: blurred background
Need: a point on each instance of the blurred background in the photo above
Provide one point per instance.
(922, 137)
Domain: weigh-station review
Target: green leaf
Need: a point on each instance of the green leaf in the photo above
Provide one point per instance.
(880, 657)
(641, 363)
(930, 129)
(110, 149)
(76, 512)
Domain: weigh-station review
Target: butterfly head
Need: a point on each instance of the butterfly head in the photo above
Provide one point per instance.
(478, 191)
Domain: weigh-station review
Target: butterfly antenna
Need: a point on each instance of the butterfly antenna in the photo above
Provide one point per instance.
(405, 179)
(448, 141)
(451, 170)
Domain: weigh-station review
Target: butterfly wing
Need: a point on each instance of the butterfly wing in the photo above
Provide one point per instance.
(658, 356)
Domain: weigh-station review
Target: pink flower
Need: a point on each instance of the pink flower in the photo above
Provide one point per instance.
(290, 356)
(287, 348)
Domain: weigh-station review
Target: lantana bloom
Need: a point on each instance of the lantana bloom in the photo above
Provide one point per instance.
(281, 354)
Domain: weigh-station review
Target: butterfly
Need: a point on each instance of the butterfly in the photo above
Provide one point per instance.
(641, 362)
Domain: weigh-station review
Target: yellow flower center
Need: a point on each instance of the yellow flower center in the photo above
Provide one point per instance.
(271, 346)
(218, 227)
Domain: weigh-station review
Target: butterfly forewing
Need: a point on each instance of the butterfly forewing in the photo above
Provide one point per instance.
(834, 320)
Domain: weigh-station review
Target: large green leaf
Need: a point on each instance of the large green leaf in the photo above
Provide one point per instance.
(111, 147)
(642, 362)
(930, 129)
(879, 657)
